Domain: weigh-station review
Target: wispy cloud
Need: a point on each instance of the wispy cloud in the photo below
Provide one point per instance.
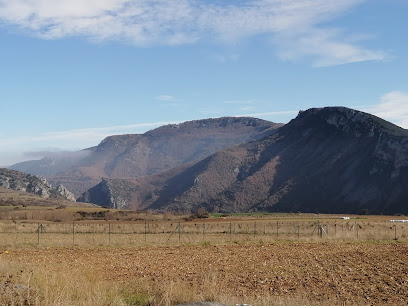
(393, 106)
(249, 101)
(211, 111)
(224, 58)
(92, 136)
(166, 98)
(266, 114)
(37, 146)
(296, 26)
(326, 47)
(246, 108)
(57, 154)
(276, 116)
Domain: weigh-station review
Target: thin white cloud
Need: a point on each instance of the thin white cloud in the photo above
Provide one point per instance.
(166, 98)
(224, 58)
(296, 26)
(325, 47)
(277, 116)
(393, 106)
(246, 108)
(56, 153)
(249, 101)
(267, 114)
(211, 111)
(69, 140)
(92, 136)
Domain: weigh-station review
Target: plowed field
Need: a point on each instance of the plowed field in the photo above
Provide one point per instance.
(326, 273)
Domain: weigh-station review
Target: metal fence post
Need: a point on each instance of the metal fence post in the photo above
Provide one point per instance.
(298, 228)
(179, 232)
(203, 229)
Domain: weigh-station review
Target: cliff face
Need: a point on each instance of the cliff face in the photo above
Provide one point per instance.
(16, 180)
(113, 193)
(137, 155)
(327, 160)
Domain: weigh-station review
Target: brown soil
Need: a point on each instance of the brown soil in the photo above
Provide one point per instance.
(332, 273)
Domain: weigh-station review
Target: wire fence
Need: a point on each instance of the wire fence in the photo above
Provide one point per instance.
(174, 233)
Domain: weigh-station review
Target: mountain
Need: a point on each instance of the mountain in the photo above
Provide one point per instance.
(19, 181)
(327, 160)
(137, 155)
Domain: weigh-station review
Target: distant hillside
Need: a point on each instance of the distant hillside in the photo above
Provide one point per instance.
(53, 163)
(327, 160)
(133, 156)
(19, 181)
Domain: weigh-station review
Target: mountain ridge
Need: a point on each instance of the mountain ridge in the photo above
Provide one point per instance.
(331, 159)
(135, 155)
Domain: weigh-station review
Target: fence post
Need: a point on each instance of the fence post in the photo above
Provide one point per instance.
(395, 232)
(298, 228)
(203, 230)
(109, 232)
(254, 229)
(73, 232)
(320, 229)
(277, 229)
(230, 231)
(93, 236)
(38, 233)
(179, 232)
(145, 231)
(15, 231)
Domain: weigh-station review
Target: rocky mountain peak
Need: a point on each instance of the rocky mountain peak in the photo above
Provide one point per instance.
(349, 121)
(224, 123)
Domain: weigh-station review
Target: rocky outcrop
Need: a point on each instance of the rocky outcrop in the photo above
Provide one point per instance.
(16, 180)
(327, 160)
(112, 193)
(65, 193)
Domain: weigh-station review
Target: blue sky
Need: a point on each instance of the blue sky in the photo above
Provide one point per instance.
(73, 71)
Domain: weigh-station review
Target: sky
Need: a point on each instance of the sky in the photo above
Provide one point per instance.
(73, 72)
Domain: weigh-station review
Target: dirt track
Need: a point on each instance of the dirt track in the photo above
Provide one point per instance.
(357, 273)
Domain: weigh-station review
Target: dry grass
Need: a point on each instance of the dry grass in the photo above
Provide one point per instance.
(65, 214)
(201, 232)
(37, 286)
(334, 273)
(280, 261)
